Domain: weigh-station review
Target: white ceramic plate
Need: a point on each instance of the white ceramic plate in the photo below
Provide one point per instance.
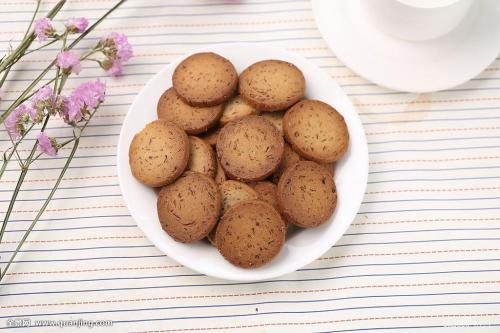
(301, 247)
(423, 66)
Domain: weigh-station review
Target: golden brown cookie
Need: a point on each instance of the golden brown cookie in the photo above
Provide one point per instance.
(159, 153)
(220, 175)
(289, 158)
(192, 119)
(205, 79)
(189, 208)
(316, 131)
(267, 192)
(250, 234)
(211, 136)
(272, 85)
(276, 118)
(306, 194)
(249, 149)
(233, 191)
(201, 157)
(236, 108)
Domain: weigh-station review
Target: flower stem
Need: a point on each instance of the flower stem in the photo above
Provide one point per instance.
(42, 209)
(6, 158)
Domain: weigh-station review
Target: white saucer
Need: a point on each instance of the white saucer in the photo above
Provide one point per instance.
(301, 247)
(410, 66)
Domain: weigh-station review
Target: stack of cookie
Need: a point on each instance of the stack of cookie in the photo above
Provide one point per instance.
(272, 164)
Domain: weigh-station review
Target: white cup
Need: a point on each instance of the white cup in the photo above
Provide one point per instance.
(416, 20)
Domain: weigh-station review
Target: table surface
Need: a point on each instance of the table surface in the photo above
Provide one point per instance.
(423, 253)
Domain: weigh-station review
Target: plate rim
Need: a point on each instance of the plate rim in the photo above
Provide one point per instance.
(213, 48)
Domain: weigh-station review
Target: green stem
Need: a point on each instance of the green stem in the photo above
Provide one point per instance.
(42, 209)
(21, 98)
(24, 171)
(32, 18)
(14, 147)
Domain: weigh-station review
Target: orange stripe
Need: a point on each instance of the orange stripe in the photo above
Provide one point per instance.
(77, 239)
(463, 189)
(54, 179)
(304, 323)
(431, 220)
(462, 100)
(437, 130)
(275, 292)
(438, 160)
(67, 209)
(407, 253)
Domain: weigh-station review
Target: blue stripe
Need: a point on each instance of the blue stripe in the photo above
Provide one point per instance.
(431, 150)
(77, 228)
(429, 199)
(401, 327)
(84, 248)
(66, 198)
(429, 180)
(64, 219)
(435, 140)
(240, 283)
(427, 210)
(430, 110)
(438, 170)
(63, 188)
(428, 120)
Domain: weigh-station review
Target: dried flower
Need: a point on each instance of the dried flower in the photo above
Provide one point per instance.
(43, 29)
(82, 100)
(117, 50)
(46, 144)
(69, 62)
(13, 123)
(44, 99)
(76, 25)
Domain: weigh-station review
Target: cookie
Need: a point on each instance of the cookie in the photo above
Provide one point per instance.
(189, 208)
(276, 118)
(159, 153)
(220, 175)
(250, 234)
(233, 191)
(193, 120)
(272, 85)
(316, 131)
(306, 194)
(236, 108)
(289, 158)
(211, 136)
(267, 192)
(205, 79)
(249, 149)
(201, 157)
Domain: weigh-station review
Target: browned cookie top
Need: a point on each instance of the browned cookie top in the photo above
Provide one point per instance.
(233, 191)
(189, 208)
(201, 157)
(272, 85)
(250, 234)
(267, 192)
(316, 131)
(159, 153)
(306, 194)
(236, 108)
(249, 149)
(205, 79)
(192, 119)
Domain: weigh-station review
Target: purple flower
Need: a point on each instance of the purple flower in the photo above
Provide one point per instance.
(43, 29)
(76, 25)
(13, 123)
(117, 50)
(43, 99)
(69, 62)
(46, 144)
(115, 69)
(82, 100)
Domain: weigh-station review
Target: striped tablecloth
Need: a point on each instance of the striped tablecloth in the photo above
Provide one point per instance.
(422, 255)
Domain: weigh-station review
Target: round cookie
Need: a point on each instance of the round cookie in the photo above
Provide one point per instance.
(267, 192)
(233, 191)
(201, 157)
(205, 79)
(236, 108)
(220, 175)
(211, 136)
(276, 118)
(272, 85)
(193, 120)
(289, 158)
(159, 153)
(249, 149)
(316, 131)
(189, 208)
(250, 234)
(306, 194)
